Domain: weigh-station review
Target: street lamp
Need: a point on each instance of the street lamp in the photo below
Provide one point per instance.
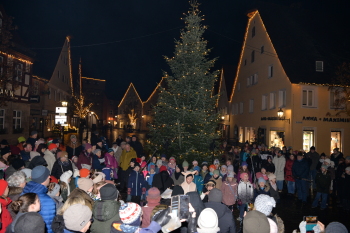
(64, 103)
(281, 117)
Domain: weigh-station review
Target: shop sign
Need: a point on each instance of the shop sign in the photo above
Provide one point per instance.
(272, 118)
(6, 92)
(326, 119)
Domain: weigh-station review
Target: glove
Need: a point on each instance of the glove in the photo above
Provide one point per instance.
(143, 191)
(162, 217)
(129, 191)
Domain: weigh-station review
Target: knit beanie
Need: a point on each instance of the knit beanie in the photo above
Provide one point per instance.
(40, 174)
(261, 180)
(208, 221)
(255, 221)
(185, 164)
(85, 184)
(336, 227)
(87, 146)
(65, 177)
(216, 161)
(215, 195)
(96, 151)
(216, 172)
(130, 214)
(230, 168)
(271, 176)
(244, 164)
(21, 139)
(108, 192)
(212, 166)
(242, 175)
(162, 168)
(52, 146)
(76, 217)
(172, 158)
(84, 173)
(53, 180)
(231, 174)
(159, 163)
(99, 177)
(3, 186)
(30, 222)
(224, 166)
(197, 168)
(63, 154)
(163, 156)
(54, 191)
(264, 204)
(153, 193)
(17, 163)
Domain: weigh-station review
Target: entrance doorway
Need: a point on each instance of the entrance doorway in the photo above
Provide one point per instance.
(336, 140)
(308, 140)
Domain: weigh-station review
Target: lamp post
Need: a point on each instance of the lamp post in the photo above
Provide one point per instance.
(281, 117)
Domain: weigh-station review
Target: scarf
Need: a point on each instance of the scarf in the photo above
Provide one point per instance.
(177, 175)
(88, 155)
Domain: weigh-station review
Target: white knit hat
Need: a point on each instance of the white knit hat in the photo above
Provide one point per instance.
(65, 177)
(264, 204)
(208, 221)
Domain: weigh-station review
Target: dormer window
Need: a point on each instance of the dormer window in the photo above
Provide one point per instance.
(319, 66)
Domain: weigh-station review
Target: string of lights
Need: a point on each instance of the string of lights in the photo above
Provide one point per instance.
(112, 42)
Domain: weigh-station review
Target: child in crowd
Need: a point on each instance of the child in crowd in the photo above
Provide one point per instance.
(136, 185)
(54, 192)
(64, 183)
(273, 189)
(229, 191)
(245, 194)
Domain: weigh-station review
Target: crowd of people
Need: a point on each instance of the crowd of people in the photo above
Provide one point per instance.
(46, 186)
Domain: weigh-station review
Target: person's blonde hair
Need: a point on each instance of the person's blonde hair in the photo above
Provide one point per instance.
(97, 186)
(71, 201)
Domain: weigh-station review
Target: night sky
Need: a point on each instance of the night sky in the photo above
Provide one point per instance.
(142, 31)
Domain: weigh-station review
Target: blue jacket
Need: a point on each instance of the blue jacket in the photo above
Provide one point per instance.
(199, 183)
(136, 183)
(300, 169)
(47, 205)
(25, 155)
(96, 163)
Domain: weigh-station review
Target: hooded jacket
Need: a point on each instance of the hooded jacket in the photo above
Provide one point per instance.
(5, 217)
(288, 169)
(225, 217)
(280, 163)
(126, 157)
(136, 183)
(47, 205)
(245, 192)
(59, 168)
(258, 190)
(104, 213)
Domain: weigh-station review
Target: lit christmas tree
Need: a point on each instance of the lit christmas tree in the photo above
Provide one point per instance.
(185, 119)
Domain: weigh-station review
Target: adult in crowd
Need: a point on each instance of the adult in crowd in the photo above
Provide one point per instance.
(255, 221)
(226, 221)
(117, 151)
(61, 165)
(136, 145)
(77, 218)
(162, 180)
(32, 138)
(119, 140)
(5, 216)
(153, 199)
(85, 157)
(25, 153)
(289, 173)
(17, 164)
(313, 157)
(50, 155)
(323, 182)
(38, 185)
(74, 147)
(16, 183)
(280, 162)
(300, 171)
(127, 154)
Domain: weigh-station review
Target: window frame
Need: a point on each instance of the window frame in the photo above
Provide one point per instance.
(251, 105)
(16, 118)
(3, 118)
(272, 100)
(264, 102)
(270, 71)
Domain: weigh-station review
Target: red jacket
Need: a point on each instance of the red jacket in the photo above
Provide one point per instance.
(6, 218)
(288, 170)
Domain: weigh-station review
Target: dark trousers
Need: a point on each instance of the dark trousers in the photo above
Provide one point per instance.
(136, 199)
(302, 189)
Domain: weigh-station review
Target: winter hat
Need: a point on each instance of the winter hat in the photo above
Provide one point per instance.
(336, 227)
(87, 146)
(230, 174)
(242, 175)
(162, 168)
(185, 164)
(65, 177)
(54, 191)
(96, 151)
(110, 150)
(172, 158)
(255, 221)
(33, 133)
(194, 162)
(216, 161)
(100, 176)
(28, 172)
(261, 180)
(211, 182)
(76, 217)
(130, 214)
(224, 166)
(205, 163)
(84, 172)
(52, 146)
(21, 139)
(271, 176)
(347, 169)
(30, 222)
(56, 140)
(33, 154)
(258, 175)
(17, 163)
(159, 162)
(177, 190)
(136, 165)
(63, 154)
(108, 192)
(3, 186)
(212, 166)
(324, 166)
(53, 180)
(312, 148)
(215, 195)
(153, 193)
(37, 161)
(208, 221)
(264, 204)
(216, 172)
(15, 150)
(4, 142)
(327, 161)
(40, 174)
(163, 156)
(85, 184)
(196, 168)
(244, 164)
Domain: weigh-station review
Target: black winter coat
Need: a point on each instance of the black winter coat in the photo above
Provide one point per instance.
(225, 217)
(323, 182)
(270, 167)
(300, 169)
(162, 181)
(59, 168)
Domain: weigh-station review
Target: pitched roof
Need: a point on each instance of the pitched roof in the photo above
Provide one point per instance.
(299, 43)
(130, 88)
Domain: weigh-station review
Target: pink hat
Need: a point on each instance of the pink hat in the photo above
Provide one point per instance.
(154, 193)
(242, 175)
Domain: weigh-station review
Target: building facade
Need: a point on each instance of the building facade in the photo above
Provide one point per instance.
(282, 100)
